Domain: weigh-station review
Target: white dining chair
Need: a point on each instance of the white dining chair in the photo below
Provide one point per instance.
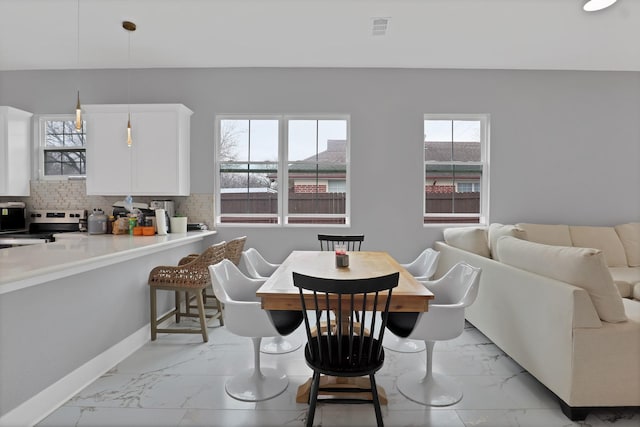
(245, 317)
(255, 264)
(455, 291)
(258, 267)
(422, 268)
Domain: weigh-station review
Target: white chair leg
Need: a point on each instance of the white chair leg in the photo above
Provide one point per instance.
(428, 388)
(403, 345)
(280, 344)
(254, 385)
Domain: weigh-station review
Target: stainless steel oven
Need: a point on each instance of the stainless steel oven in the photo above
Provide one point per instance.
(43, 224)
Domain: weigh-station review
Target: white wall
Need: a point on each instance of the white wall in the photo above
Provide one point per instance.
(565, 146)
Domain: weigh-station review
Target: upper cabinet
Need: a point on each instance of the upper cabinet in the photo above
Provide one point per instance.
(15, 152)
(156, 164)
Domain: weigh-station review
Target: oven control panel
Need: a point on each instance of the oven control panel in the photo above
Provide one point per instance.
(57, 216)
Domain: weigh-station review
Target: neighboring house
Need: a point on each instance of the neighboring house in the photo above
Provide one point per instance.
(324, 173)
(444, 179)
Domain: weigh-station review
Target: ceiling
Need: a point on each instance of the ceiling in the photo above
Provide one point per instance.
(490, 34)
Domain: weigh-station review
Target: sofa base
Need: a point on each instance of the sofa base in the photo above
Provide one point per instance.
(574, 413)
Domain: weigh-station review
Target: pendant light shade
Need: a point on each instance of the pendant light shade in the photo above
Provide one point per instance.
(595, 5)
(78, 107)
(129, 142)
(78, 113)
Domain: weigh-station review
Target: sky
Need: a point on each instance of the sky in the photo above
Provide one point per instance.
(304, 134)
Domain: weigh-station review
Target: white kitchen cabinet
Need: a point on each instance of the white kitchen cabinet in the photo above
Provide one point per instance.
(158, 161)
(15, 152)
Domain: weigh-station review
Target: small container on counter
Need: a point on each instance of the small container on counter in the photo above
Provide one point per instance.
(97, 222)
(133, 222)
(110, 220)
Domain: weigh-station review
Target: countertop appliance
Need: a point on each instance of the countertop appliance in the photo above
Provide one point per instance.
(167, 205)
(13, 217)
(43, 224)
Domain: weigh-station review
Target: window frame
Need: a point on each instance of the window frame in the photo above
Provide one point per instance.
(483, 215)
(283, 162)
(41, 144)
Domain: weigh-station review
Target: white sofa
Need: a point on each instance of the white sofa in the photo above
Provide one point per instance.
(551, 327)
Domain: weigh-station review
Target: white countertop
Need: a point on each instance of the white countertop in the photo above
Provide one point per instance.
(25, 266)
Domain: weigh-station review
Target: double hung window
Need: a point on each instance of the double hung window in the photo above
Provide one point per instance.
(62, 147)
(282, 170)
(456, 168)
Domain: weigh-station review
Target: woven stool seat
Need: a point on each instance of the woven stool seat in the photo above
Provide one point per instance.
(190, 276)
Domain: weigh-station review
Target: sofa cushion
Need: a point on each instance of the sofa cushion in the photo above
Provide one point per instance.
(635, 293)
(629, 235)
(497, 230)
(628, 275)
(549, 234)
(604, 238)
(582, 267)
(624, 288)
(472, 239)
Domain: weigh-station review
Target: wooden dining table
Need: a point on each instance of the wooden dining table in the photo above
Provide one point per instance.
(279, 293)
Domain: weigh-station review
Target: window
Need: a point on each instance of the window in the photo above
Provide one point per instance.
(468, 187)
(282, 170)
(62, 147)
(456, 168)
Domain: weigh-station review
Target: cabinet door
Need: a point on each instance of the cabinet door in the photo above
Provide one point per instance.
(15, 152)
(156, 164)
(155, 153)
(108, 157)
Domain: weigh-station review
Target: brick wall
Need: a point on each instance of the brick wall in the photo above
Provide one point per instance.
(309, 188)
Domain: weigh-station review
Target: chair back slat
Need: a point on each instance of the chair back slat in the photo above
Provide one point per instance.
(353, 242)
(353, 343)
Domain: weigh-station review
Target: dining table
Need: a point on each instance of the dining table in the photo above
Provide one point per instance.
(279, 293)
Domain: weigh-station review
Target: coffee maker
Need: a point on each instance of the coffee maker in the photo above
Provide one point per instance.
(167, 205)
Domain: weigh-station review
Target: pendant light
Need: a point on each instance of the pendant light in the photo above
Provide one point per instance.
(78, 108)
(130, 27)
(595, 5)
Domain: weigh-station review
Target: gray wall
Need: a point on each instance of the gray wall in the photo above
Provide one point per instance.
(565, 146)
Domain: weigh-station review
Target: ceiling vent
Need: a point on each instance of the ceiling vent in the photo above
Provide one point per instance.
(379, 26)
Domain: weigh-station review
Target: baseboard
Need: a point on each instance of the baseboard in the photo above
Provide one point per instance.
(48, 400)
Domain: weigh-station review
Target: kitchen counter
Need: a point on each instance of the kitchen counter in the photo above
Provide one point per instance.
(30, 265)
(72, 309)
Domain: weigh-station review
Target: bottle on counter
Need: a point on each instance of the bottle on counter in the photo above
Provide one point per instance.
(133, 222)
(110, 220)
(97, 222)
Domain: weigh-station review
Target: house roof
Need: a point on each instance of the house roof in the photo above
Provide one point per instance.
(445, 151)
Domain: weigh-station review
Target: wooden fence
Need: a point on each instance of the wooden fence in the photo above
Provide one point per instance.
(299, 203)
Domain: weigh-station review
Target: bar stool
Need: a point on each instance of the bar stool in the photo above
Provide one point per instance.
(233, 252)
(192, 278)
(234, 248)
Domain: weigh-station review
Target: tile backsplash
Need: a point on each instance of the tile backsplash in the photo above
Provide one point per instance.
(73, 195)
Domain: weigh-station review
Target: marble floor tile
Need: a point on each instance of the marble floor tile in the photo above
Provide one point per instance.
(178, 380)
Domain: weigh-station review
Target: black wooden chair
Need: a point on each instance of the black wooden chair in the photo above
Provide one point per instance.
(352, 242)
(352, 348)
